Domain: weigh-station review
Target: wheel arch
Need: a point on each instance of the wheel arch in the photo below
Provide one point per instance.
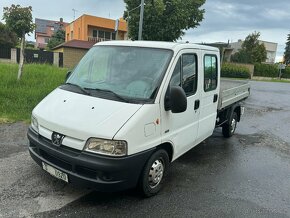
(168, 147)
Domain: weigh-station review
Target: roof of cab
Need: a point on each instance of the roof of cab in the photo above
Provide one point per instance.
(158, 44)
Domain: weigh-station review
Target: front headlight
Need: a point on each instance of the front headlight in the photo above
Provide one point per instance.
(106, 147)
(34, 123)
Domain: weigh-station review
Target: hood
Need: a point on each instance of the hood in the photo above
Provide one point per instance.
(80, 116)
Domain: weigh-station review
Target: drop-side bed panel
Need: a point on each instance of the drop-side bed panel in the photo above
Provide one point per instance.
(232, 91)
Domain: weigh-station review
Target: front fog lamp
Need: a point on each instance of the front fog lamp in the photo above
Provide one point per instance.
(106, 147)
(34, 123)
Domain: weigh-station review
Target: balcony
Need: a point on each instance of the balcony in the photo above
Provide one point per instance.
(97, 39)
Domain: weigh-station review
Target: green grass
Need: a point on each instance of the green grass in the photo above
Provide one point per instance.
(277, 80)
(18, 98)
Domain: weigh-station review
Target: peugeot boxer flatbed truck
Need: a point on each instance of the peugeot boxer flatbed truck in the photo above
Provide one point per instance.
(129, 109)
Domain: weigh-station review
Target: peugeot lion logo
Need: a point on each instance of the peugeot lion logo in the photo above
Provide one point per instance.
(56, 138)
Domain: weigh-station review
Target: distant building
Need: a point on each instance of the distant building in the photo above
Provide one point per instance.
(45, 29)
(73, 51)
(225, 49)
(96, 29)
(271, 49)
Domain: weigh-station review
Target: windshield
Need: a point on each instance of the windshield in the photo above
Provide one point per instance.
(118, 72)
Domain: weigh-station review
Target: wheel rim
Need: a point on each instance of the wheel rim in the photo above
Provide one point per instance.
(156, 173)
(233, 125)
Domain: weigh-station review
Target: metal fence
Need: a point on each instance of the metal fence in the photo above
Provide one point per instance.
(5, 53)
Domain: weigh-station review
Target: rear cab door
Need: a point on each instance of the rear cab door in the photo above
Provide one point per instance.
(210, 82)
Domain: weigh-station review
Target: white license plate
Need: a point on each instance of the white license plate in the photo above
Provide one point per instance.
(55, 172)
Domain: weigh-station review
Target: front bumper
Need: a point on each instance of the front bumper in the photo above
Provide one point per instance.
(100, 172)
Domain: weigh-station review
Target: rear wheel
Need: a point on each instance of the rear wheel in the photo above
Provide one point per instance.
(153, 174)
(230, 127)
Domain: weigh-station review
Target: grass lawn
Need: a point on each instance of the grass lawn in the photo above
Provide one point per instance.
(18, 98)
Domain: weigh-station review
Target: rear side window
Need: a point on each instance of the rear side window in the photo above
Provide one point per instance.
(210, 72)
(185, 74)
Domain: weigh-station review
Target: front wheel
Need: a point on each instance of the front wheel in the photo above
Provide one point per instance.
(153, 174)
(230, 127)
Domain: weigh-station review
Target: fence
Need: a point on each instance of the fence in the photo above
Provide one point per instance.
(5, 53)
(36, 56)
(31, 56)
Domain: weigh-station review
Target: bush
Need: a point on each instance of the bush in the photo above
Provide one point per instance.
(235, 71)
(266, 70)
(286, 73)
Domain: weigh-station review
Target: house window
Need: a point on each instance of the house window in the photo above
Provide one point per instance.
(107, 35)
(46, 39)
(113, 36)
(95, 33)
(101, 34)
(71, 34)
(210, 72)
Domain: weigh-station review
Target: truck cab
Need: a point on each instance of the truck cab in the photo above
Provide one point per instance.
(127, 111)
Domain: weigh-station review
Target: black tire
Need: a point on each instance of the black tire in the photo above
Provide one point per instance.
(229, 128)
(151, 178)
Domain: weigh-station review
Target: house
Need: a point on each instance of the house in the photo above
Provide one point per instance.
(96, 29)
(44, 30)
(225, 49)
(73, 51)
(271, 49)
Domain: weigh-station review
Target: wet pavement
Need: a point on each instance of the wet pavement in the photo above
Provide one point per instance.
(247, 175)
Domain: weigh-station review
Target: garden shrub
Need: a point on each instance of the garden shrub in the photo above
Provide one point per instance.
(234, 71)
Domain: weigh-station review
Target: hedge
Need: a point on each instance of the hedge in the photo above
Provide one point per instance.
(286, 73)
(269, 70)
(234, 71)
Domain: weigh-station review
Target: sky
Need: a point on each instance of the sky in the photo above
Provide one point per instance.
(223, 19)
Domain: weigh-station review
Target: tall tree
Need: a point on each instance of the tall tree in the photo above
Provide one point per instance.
(19, 20)
(8, 39)
(57, 38)
(164, 20)
(252, 50)
(287, 51)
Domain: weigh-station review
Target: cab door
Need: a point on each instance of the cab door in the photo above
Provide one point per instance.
(209, 94)
(181, 129)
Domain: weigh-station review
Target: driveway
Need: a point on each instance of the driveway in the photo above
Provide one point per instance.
(247, 175)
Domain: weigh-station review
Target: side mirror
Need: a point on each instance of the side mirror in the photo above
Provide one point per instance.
(67, 75)
(175, 100)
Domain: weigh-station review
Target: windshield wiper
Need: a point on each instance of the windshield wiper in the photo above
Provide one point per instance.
(111, 92)
(79, 87)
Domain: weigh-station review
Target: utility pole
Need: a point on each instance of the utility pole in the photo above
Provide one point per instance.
(141, 20)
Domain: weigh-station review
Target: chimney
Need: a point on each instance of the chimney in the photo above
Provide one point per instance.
(61, 20)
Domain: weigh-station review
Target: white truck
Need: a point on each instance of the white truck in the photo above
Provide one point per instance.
(129, 109)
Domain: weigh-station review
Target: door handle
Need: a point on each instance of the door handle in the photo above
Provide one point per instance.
(196, 104)
(215, 98)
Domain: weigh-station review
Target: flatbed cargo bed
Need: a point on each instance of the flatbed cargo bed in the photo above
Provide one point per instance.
(232, 91)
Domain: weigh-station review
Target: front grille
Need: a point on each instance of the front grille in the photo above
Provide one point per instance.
(57, 161)
(66, 149)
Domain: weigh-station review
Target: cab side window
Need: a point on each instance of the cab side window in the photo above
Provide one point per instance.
(185, 74)
(189, 75)
(210, 72)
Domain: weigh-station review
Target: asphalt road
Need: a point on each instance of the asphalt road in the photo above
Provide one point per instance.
(247, 175)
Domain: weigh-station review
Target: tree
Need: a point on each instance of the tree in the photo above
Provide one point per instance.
(164, 20)
(287, 51)
(19, 20)
(57, 38)
(8, 39)
(252, 50)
